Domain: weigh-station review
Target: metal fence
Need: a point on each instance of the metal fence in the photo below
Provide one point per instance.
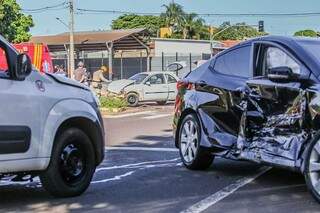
(159, 63)
(126, 65)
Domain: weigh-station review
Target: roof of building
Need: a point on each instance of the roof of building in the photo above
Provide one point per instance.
(181, 40)
(96, 40)
(230, 43)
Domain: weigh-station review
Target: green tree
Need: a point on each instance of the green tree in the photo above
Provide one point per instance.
(238, 31)
(173, 16)
(130, 21)
(191, 26)
(183, 25)
(14, 25)
(307, 33)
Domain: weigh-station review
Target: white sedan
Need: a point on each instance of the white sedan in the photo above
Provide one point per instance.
(146, 86)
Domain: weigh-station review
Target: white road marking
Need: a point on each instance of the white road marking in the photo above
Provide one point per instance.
(132, 165)
(118, 177)
(156, 116)
(130, 114)
(223, 193)
(34, 184)
(137, 166)
(130, 148)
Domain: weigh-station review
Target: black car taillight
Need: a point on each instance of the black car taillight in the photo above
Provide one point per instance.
(185, 85)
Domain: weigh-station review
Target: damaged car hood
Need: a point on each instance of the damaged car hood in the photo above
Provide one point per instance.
(117, 86)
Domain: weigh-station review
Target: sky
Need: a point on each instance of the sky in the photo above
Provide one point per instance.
(46, 22)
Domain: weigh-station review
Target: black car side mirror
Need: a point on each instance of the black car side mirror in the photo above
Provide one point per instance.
(23, 67)
(281, 74)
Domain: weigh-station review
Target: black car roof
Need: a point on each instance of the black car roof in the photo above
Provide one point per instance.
(279, 39)
(294, 43)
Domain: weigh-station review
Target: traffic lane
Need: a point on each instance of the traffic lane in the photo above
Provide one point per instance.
(133, 181)
(137, 131)
(278, 190)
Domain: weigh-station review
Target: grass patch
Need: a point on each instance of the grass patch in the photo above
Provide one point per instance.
(113, 102)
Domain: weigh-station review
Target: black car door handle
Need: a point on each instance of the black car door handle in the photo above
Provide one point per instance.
(201, 83)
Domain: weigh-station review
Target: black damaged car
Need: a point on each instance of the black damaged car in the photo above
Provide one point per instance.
(257, 101)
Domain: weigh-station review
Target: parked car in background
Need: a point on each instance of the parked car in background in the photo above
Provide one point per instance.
(257, 101)
(50, 126)
(146, 86)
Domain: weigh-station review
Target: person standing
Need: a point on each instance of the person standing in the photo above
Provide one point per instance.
(98, 79)
(61, 71)
(56, 68)
(98, 76)
(80, 73)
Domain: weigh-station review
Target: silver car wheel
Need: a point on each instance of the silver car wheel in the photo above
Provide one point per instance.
(189, 141)
(314, 167)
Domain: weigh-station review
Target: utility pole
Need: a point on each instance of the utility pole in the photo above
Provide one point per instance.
(71, 42)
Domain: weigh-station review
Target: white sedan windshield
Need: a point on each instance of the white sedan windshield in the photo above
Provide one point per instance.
(138, 78)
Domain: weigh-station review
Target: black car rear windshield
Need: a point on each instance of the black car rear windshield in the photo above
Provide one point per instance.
(312, 47)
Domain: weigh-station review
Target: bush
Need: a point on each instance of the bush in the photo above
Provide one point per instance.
(112, 102)
(306, 33)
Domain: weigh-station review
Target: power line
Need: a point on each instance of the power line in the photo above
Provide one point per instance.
(98, 11)
(43, 9)
(91, 11)
(83, 11)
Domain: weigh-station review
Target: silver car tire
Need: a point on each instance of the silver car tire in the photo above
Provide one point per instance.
(192, 155)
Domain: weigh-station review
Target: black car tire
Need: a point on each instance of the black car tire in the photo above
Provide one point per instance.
(72, 164)
(202, 157)
(161, 102)
(315, 143)
(132, 99)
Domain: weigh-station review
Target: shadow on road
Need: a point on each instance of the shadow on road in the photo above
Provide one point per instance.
(165, 186)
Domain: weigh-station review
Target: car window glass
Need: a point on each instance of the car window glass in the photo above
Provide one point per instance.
(171, 79)
(157, 79)
(3, 61)
(173, 67)
(138, 78)
(275, 57)
(235, 62)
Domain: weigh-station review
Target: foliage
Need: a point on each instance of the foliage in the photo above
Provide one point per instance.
(173, 15)
(183, 25)
(191, 26)
(307, 33)
(238, 31)
(112, 102)
(186, 26)
(14, 25)
(130, 21)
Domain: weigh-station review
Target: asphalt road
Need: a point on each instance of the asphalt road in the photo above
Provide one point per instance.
(142, 172)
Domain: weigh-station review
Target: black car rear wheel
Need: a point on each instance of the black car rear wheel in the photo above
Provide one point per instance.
(312, 167)
(72, 164)
(192, 154)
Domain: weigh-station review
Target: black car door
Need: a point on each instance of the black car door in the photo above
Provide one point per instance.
(272, 125)
(218, 94)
